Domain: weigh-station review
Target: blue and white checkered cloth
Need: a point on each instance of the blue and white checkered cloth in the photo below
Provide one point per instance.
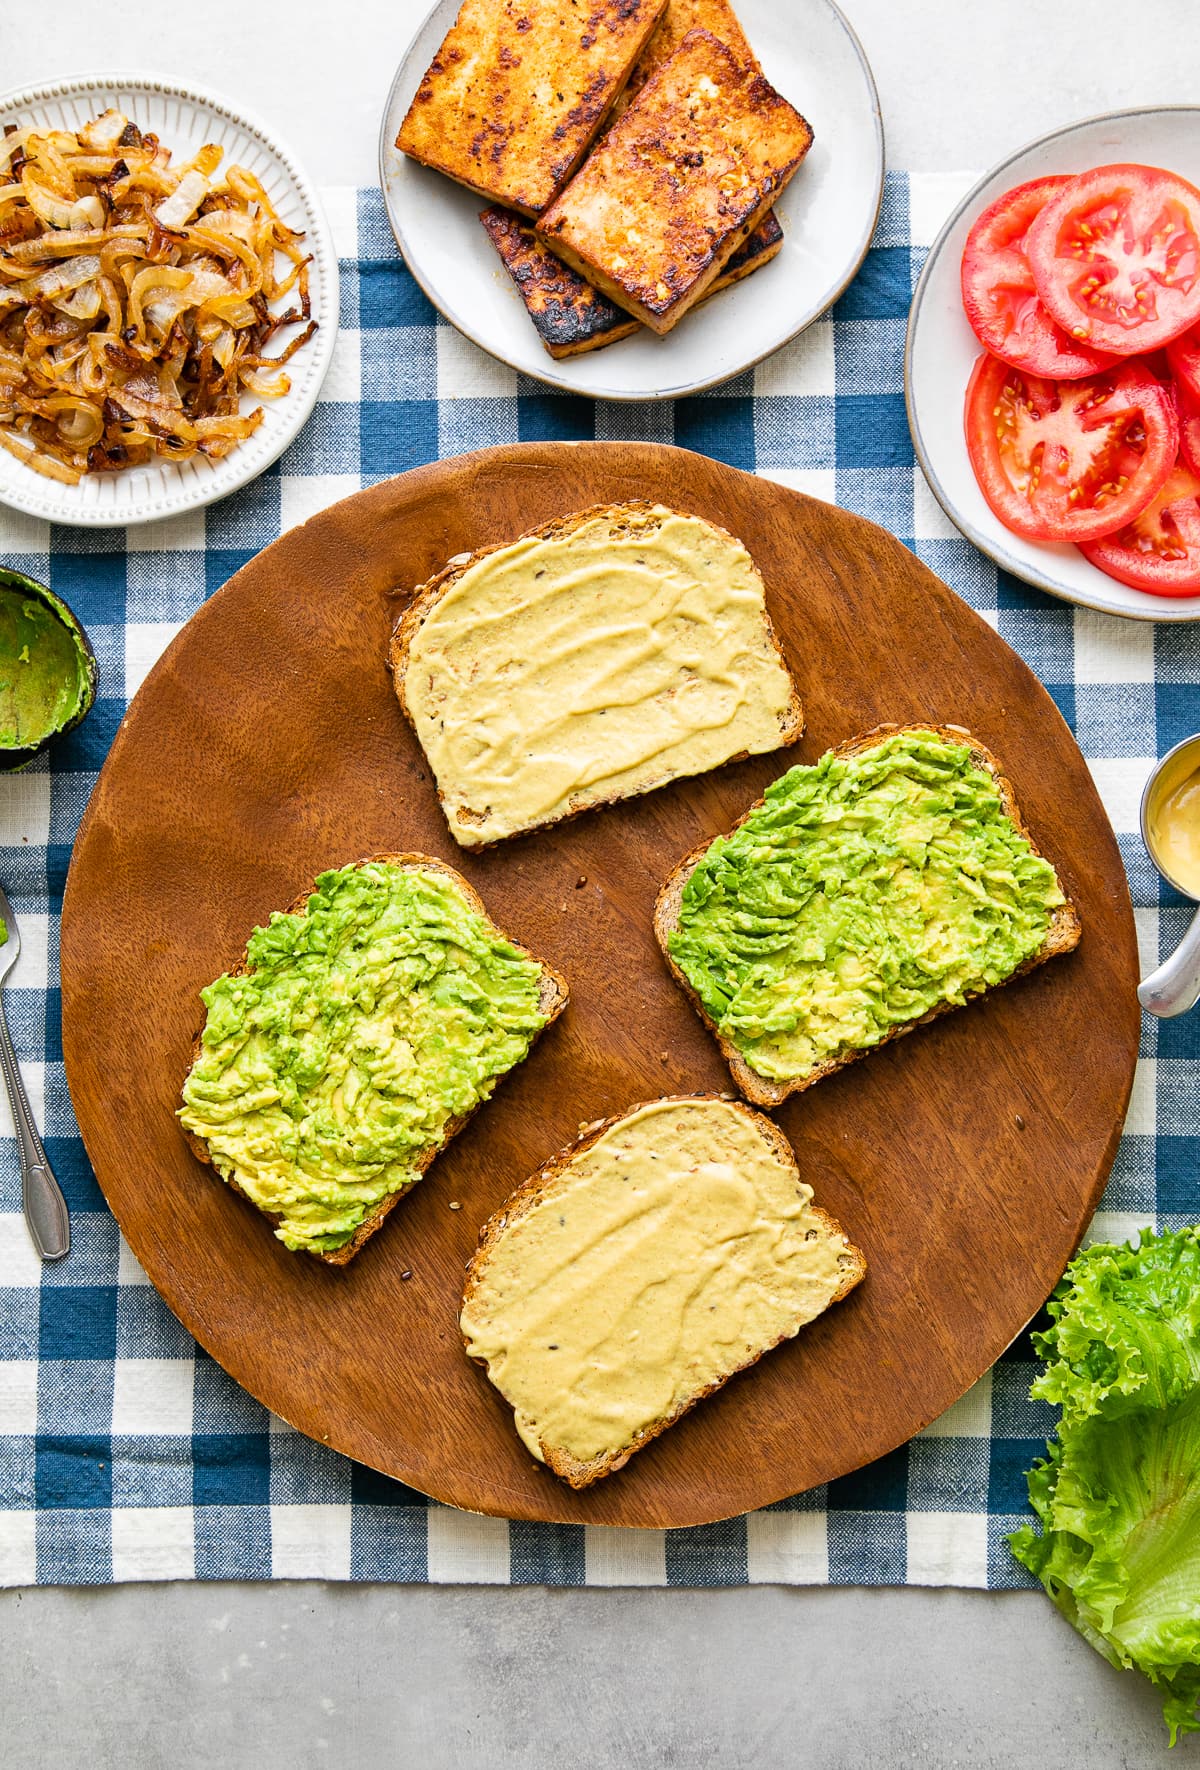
(125, 1452)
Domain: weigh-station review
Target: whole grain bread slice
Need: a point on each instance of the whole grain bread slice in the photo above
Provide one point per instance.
(552, 999)
(851, 1260)
(626, 519)
(1062, 936)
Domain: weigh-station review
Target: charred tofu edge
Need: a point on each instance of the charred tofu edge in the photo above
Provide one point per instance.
(568, 313)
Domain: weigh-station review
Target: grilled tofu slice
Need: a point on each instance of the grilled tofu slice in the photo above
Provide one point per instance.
(678, 183)
(568, 314)
(718, 17)
(519, 89)
(681, 17)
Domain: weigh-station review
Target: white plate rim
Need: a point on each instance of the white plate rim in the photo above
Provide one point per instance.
(237, 469)
(599, 390)
(986, 543)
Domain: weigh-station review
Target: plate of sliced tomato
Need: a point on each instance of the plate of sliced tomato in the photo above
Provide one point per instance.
(1052, 365)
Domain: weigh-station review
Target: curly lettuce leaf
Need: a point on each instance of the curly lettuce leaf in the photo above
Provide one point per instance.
(1118, 1495)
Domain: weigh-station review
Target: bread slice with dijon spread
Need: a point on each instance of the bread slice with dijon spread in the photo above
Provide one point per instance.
(597, 657)
(640, 1269)
(357, 1035)
(887, 884)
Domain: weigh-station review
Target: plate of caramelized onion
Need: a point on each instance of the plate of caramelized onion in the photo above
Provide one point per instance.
(168, 299)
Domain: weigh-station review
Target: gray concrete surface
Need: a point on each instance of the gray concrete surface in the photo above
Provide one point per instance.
(478, 1678)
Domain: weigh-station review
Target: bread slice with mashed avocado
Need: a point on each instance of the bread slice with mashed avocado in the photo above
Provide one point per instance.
(597, 657)
(641, 1268)
(884, 885)
(357, 1035)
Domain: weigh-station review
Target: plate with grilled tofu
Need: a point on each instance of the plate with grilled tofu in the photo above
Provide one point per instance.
(595, 985)
(633, 199)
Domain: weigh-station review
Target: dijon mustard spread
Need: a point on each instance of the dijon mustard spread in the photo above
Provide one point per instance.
(1175, 833)
(557, 672)
(658, 1262)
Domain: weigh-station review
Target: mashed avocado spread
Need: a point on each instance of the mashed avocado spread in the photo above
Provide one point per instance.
(43, 670)
(865, 891)
(365, 1024)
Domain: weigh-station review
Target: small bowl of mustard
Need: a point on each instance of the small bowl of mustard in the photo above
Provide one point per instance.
(47, 669)
(1170, 820)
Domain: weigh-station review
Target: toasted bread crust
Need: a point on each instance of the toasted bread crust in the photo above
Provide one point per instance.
(568, 314)
(624, 516)
(678, 183)
(578, 1474)
(1062, 936)
(552, 1000)
(518, 91)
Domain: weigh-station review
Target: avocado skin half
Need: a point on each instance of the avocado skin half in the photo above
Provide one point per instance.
(13, 759)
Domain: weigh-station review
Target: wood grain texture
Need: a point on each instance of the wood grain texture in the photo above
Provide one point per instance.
(266, 745)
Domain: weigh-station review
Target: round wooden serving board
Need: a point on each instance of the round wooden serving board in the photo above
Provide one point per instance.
(266, 745)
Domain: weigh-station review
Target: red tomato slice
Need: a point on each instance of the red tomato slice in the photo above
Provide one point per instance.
(1001, 298)
(1183, 354)
(1069, 460)
(1189, 432)
(1116, 257)
(1159, 550)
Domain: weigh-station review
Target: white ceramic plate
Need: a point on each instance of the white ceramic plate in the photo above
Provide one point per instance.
(941, 349)
(184, 120)
(828, 213)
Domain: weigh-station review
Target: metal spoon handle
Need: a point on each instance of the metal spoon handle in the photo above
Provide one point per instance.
(1175, 986)
(45, 1207)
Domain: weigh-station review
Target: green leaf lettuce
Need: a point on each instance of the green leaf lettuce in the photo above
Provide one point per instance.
(1118, 1495)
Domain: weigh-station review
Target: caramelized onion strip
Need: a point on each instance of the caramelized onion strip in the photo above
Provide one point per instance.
(136, 300)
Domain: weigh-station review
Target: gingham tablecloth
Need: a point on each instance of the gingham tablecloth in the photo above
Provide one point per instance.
(125, 1452)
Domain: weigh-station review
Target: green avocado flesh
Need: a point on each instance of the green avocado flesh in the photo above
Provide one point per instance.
(865, 891)
(363, 1026)
(43, 671)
